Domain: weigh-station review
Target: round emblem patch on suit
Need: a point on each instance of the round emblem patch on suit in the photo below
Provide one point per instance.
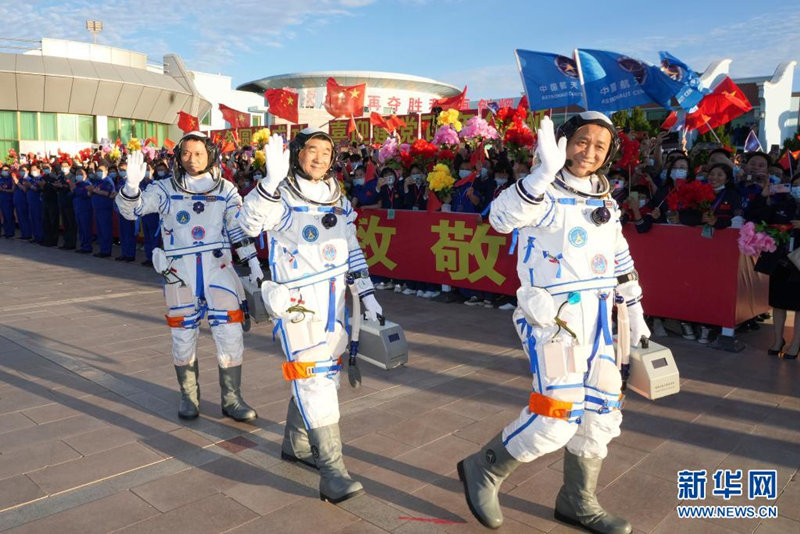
(310, 233)
(599, 264)
(577, 237)
(198, 233)
(183, 217)
(329, 252)
(198, 207)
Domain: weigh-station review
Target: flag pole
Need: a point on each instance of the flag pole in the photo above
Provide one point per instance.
(712, 132)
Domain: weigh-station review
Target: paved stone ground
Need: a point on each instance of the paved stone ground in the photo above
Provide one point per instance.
(90, 441)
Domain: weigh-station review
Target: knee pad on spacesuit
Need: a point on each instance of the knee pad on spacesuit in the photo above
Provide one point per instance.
(230, 348)
(595, 433)
(184, 341)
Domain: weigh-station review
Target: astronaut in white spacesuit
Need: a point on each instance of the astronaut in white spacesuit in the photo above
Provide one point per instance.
(572, 259)
(312, 244)
(199, 222)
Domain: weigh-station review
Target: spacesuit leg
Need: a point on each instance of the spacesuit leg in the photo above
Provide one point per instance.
(183, 318)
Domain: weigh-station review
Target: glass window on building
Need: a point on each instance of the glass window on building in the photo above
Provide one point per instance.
(8, 126)
(86, 128)
(28, 126)
(67, 127)
(150, 130)
(48, 127)
(162, 133)
(206, 120)
(139, 128)
(6, 145)
(256, 120)
(125, 130)
(113, 129)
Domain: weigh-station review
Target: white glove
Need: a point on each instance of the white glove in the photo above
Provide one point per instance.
(371, 307)
(277, 298)
(256, 273)
(136, 170)
(277, 164)
(638, 326)
(537, 305)
(551, 156)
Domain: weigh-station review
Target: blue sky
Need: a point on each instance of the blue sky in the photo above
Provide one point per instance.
(457, 41)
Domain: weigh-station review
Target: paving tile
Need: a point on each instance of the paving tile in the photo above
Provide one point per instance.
(307, 515)
(94, 467)
(17, 490)
(98, 517)
(672, 523)
(371, 450)
(268, 492)
(213, 514)
(48, 431)
(11, 422)
(780, 525)
(644, 508)
(176, 443)
(177, 490)
(35, 456)
(428, 427)
(789, 501)
(101, 439)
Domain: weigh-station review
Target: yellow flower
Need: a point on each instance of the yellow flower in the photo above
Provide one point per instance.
(114, 155)
(439, 178)
(259, 160)
(261, 137)
(134, 144)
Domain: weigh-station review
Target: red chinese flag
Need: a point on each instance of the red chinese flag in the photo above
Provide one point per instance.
(150, 140)
(169, 143)
(283, 104)
(523, 103)
(452, 102)
(433, 202)
(670, 121)
(785, 162)
(468, 180)
(188, 123)
(237, 119)
(721, 106)
(371, 172)
(376, 119)
(351, 126)
(344, 101)
(393, 123)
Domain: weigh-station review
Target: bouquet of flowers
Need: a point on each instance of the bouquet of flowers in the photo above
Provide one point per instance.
(446, 135)
(753, 240)
(259, 159)
(476, 131)
(134, 144)
(449, 117)
(695, 195)
(388, 150)
(440, 181)
(519, 141)
(11, 158)
(261, 137)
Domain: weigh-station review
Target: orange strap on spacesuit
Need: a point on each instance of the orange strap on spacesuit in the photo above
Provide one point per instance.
(550, 407)
(299, 370)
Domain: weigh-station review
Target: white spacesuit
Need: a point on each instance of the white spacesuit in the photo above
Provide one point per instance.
(311, 235)
(199, 221)
(572, 260)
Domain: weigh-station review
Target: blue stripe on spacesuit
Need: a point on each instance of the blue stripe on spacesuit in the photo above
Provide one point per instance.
(602, 328)
(514, 239)
(215, 286)
(329, 327)
(520, 429)
(529, 249)
(200, 291)
(546, 215)
(564, 386)
(288, 352)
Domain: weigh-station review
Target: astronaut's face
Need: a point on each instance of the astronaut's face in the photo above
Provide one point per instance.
(194, 157)
(315, 158)
(587, 149)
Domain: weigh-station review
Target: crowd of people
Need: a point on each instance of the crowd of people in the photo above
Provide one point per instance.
(47, 197)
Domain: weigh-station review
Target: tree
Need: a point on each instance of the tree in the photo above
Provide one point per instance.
(633, 120)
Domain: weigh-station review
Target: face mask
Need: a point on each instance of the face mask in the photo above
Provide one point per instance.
(795, 191)
(100, 175)
(642, 202)
(35, 174)
(679, 174)
(5, 174)
(774, 179)
(464, 173)
(651, 162)
(123, 174)
(23, 174)
(389, 180)
(663, 174)
(416, 177)
(618, 184)
(161, 174)
(736, 169)
(65, 170)
(501, 181)
(147, 174)
(257, 176)
(248, 183)
(112, 175)
(79, 177)
(358, 181)
(484, 172)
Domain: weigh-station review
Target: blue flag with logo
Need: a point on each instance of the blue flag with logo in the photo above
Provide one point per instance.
(550, 80)
(613, 82)
(752, 144)
(677, 70)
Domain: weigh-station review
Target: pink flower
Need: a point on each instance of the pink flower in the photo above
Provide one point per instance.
(478, 127)
(388, 150)
(769, 244)
(445, 135)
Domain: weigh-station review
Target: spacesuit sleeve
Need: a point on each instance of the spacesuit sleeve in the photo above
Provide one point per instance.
(243, 245)
(262, 211)
(623, 262)
(357, 262)
(151, 200)
(517, 208)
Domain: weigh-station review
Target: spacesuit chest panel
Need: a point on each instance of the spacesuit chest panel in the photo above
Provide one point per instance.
(573, 248)
(193, 220)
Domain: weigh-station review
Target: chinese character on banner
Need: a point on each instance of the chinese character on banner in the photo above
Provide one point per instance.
(431, 102)
(727, 483)
(362, 127)
(297, 128)
(374, 103)
(506, 102)
(482, 103)
(464, 104)
(280, 129)
(414, 105)
(692, 484)
(453, 251)
(408, 133)
(394, 103)
(310, 98)
(245, 136)
(762, 483)
(338, 130)
(428, 121)
(379, 135)
(534, 118)
(375, 240)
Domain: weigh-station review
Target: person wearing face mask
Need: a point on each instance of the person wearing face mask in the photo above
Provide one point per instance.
(389, 189)
(65, 184)
(103, 208)
(34, 194)
(414, 190)
(150, 228)
(127, 227)
(199, 214)
(465, 197)
(311, 228)
(572, 260)
(774, 207)
(678, 171)
(363, 195)
(82, 205)
(49, 206)
(756, 174)
(7, 188)
(726, 205)
(21, 202)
